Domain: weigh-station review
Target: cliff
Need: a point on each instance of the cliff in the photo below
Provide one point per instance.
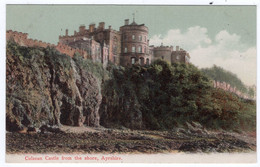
(44, 87)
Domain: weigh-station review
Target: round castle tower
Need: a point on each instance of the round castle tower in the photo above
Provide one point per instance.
(163, 52)
(134, 44)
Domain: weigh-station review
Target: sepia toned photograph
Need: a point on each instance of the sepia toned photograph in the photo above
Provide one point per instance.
(96, 83)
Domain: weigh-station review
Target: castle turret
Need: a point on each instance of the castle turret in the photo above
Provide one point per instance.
(163, 52)
(135, 46)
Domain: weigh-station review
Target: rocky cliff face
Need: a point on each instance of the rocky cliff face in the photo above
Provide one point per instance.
(44, 87)
(120, 105)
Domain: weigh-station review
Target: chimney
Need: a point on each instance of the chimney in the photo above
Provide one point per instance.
(92, 27)
(101, 25)
(82, 29)
(67, 32)
(126, 22)
(177, 48)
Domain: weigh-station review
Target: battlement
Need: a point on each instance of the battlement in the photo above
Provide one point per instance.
(65, 49)
(162, 48)
(23, 40)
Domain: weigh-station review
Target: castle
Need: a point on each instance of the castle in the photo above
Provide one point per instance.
(128, 46)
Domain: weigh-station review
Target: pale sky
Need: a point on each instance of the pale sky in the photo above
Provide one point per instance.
(221, 35)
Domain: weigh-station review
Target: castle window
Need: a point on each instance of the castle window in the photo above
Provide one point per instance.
(140, 38)
(125, 49)
(125, 36)
(133, 48)
(133, 37)
(162, 57)
(177, 57)
(133, 60)
(187, 60)
(140, 49)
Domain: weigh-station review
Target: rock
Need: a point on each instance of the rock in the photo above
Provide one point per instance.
(181, 130)
(24, 130)
(196, 125)
(189, 126)
(48, 128)
(47, 88)
(31, 130)
(196, 128)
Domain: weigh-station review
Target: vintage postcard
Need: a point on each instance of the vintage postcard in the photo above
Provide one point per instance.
(103, 83)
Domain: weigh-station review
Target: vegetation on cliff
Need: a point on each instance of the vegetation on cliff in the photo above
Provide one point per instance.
(164, 96)
(45, 87)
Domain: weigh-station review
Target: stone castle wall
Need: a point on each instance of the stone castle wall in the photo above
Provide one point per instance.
(227, 87)
(109, 37)
(65, 49)
(23, 40)
(180, 56)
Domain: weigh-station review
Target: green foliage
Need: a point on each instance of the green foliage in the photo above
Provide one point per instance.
(251, 92)
(95, 68)
(169, 95)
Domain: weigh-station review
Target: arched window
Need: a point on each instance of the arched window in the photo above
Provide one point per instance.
(141, 61)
